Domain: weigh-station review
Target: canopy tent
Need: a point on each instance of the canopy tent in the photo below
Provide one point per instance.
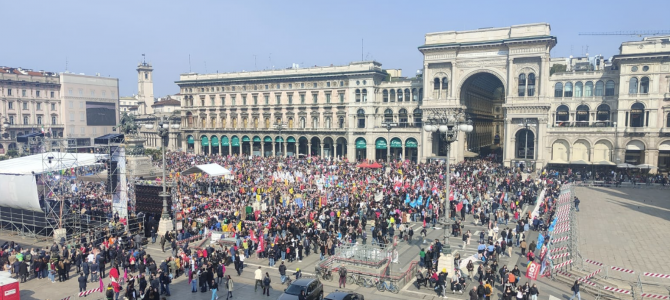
(470, 154)
(210, 169)
(625, 166)
(579, 162)
(604, 163)
(646, 166)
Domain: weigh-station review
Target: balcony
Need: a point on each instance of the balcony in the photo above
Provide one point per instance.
(586, 126)
(36, 126)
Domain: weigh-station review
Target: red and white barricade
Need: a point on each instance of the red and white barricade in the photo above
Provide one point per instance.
(562, 229)
(648, 295)
(622, 270)
(587, 277)
(86, 293)
(656, 275)
(566, 254)
(618, 290)
(558, 240)
(563, 264)
(593, 262)
(560, 249)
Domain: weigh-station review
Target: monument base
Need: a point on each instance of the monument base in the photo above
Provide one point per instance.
(58, 234)
(165, 225)
(141, 166)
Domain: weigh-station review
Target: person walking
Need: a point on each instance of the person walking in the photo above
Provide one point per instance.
(214, 288)
(343, 276)
(230, 286)
(258, 275)
(577, 203)
(266, 284)
(82, 283)
(575, 291)
(534, 292)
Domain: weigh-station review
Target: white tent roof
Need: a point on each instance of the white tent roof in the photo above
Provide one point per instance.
(39, 163)
(211, 169)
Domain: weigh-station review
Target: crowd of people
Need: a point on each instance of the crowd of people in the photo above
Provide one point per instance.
(282, 210)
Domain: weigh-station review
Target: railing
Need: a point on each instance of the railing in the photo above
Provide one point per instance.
(600, 124)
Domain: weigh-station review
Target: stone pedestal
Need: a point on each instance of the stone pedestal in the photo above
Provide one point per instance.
(165, 225)
(138, 165)
(58, 234)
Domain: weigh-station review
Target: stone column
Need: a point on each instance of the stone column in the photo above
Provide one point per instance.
(321, 150)
(283, 147)
(274, 147)
(210, 146)
(309, 147)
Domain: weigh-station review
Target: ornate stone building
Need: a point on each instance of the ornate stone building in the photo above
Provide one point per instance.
(526, 108)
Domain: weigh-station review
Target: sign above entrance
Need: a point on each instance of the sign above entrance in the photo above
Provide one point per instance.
(361, 143)
(380, 144)
(235, 142)
(215, 141)
(190, 139)
(205, 141)
(267, 139)
(257, 139)
(290, 139)
(246, 139)
(225, 141)
(396, 143)
(411, 143)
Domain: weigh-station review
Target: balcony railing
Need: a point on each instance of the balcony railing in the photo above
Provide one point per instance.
(599, 124)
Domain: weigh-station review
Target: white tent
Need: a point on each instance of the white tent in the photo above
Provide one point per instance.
(210, 169)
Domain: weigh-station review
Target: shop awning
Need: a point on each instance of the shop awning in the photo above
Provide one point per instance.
(279, 139)
(235, 142)
(361, 143)
(215, 141)
(411, 143)
(246, 139)
(190, 139)
(380, 143)
(224, 141)
(579, 162)
(267, 139)
(204, 141)
(257, 139)
(290, 139)
(396, 143)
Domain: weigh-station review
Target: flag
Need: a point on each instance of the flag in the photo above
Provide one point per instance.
(400, 172)
(459, 206)
(407, 198)
(261, 244)
(102, 287)
(501, 198)
(506, 195)
(427, 200)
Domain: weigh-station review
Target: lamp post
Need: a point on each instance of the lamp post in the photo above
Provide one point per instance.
(388, 126)
(449, 124)
(165, 225)
(280, 126)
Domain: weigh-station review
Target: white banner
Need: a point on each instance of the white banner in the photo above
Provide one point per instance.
(19, 191)
(120, 199)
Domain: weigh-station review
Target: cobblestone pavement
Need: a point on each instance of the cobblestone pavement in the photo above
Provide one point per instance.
(626, 228)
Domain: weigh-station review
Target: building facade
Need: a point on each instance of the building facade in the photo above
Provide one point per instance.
(527, 107)
(30, 103)
(90, 107)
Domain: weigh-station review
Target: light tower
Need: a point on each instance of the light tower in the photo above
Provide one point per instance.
(145, 87)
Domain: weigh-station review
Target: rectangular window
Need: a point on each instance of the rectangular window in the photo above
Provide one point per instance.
(290, 85)
(25, 120)
(113, 94)
(82, 130)
(315, 98)
(25, 105)
(53, 120)
(104, 94)
(232, 100)
(81, 93)
(278, 99)
(302, 99)
(71, 117)
(39, 106)
(10, 105)
(52, 94)
(266, 86)
(39, 120)
(37, 93)
(94, 130)
(11, 120)
(81, 105)
(71, 104)
(53, 106)
(328, 84)
(328, 98)
(302, 85)
(290, 99)
(213, 101)
(69, 92)
(244, 99)
(9, 92)
(267, 100)
(82, 116)
(23, 93)
(341, 97)
(255, 100)
(92, 93)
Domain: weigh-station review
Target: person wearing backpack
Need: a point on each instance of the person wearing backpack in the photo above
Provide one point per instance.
(480, 291)
(343, 276)
(471, 270)
(488, 290)
(282, 272)
(266, 284)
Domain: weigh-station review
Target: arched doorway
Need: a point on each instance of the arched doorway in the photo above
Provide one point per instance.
(525, 144)
(235, 145)
(381, 149)
(190, 144)
(302, 146)
(560, 152)
(664, 156)
(214, 141)
(635, 153)
(361, 149)
(411, 149)
(316, 147)
(483, 95)
(279, 146)
(204, 142)
(225, 145)
(602, 151)
(328, 147)
(256, 144)
(246, 145)
(291, 147)
(267, 144)
(341, 147)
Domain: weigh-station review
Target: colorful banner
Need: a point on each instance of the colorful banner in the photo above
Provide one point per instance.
(533, 270)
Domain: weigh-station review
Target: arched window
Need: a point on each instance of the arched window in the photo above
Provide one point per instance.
(402, 116)
(388, 116)
(302, 123)
(408, 96)
(531, 84)
(315, 122)
(365, 95)
(644, 85)
(358, 95)
(637, 115)
(399, 95)
(385, 96)
(579, 87)
(609, 88)
(632, 86)
(361, 118)
(267, 122)
(418, 115)
(327, 123)
(568, 89)
(392, 95)
(558, 90)
(436, 84)
(340, 123)
(562, 115)
(415, 95)
(600, 87)
(290, 123)
(445, 86)
(588, 89)
(603, 115)
(582, 116)
(522, 84)
(667, 121)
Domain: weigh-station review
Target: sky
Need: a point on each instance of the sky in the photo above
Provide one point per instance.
(109, 37)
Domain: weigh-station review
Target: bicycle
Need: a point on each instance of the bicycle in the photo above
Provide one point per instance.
(359, 280)
(382, 286)
(325, 275)
(288, 281)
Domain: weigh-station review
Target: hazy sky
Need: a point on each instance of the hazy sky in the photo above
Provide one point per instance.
(109, 37)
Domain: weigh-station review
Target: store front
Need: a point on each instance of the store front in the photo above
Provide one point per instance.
(257, 150)
(635, 153)
(205, 144)
(246, 145)
(664, 157)
(411, 149)
(290, 146)
(380, 149)
(190, 144)
(225, 144)
(361, 149)
(267, 146)
(396, 149)
(235, 145)
(215, 145)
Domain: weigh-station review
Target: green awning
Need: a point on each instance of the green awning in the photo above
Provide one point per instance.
(235, 142)
(190, 139)
(257, 139)
(361, 143)
(380, 143)
(396, 143)
(215, 141)
(279, 139)
(267, 139)
(411, 143)
(224, 141)
(205, 141)
(290, 139)
(246, 139)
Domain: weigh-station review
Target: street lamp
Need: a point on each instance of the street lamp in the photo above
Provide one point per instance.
(281, 126)
(449, 124)
(165, 225)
